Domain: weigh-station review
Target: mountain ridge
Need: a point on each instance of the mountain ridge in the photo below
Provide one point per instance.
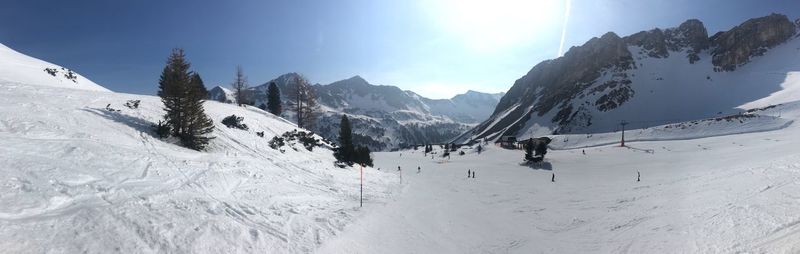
(610, 79)
(383, 116)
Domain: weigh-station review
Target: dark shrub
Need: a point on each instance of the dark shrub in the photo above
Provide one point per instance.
(234, 121)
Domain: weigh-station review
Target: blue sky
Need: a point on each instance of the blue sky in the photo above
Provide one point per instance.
(437, 48)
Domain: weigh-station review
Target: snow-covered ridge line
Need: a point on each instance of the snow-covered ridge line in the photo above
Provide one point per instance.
(652, 78)
(386, 117)
(19, 68)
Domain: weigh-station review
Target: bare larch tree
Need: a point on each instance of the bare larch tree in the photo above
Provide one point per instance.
(239, 86)
(303, 101)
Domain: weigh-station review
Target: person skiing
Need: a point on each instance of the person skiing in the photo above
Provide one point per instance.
(553, 179)
(398, 168)
(584, 152)
(469, 173)
(419, 169)
(638, 176)
(473, 174)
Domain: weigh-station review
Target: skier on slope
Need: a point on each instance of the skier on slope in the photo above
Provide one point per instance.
(473, 174)
(638, 176)
(419, 169)
(469, 173)
(398, 168)
(554, 178)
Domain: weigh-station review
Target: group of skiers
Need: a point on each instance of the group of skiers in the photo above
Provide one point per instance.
(471, 173)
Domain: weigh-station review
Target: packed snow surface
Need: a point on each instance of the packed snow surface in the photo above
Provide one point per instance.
(734, 192)
(76, 177)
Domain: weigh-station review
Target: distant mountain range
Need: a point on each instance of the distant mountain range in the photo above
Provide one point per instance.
(649, 78)
(383, 117)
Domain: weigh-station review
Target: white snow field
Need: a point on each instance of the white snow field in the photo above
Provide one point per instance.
(723, 194)
(77, 178)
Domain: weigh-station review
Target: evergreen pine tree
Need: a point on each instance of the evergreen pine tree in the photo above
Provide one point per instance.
(198, 124)
(345, 152)
(183, 102)
(172, 88)
(198, 84)
(363, 156)
(274, 99)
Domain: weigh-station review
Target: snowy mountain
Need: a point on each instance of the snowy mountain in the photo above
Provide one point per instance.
(18, 68)
(77, 176)
(384, 117)
(220, 94)
(650, 78)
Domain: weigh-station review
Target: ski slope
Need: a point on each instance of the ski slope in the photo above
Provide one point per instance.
(78, 178)
(718, 194)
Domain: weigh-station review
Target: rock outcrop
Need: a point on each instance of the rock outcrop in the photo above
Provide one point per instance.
(574, 91)
(691, 36)
(737, 46)
(550, 84)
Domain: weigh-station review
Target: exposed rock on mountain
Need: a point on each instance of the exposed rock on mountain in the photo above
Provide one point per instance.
(383, 117)
(752, 38)
(648, 78)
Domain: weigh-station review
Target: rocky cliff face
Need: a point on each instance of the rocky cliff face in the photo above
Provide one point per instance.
(550, 84)
(752, 38)
(691, 36)
(590, 83)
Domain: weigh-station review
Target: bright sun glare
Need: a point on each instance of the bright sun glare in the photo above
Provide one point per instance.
(498, 24)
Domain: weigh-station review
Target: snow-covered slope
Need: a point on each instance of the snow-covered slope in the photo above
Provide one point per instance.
(76, 177)
(384, 117)
(18, 68)
(723, 194)
(652, 78)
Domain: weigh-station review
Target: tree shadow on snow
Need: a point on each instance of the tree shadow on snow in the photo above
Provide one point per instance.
(545, 165)
(140, 125)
